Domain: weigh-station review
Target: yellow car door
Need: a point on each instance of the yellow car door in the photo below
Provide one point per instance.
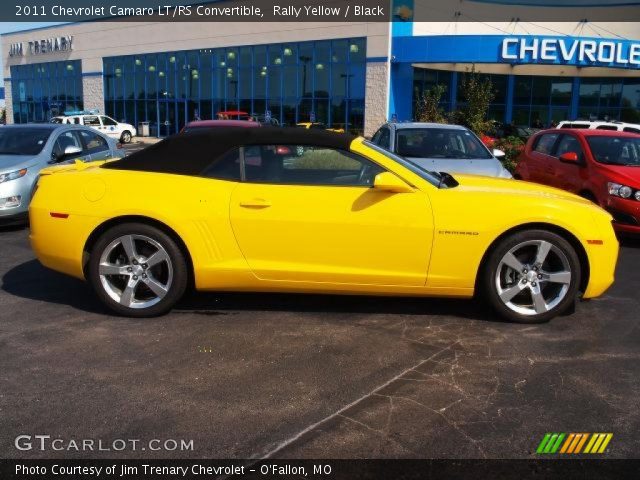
(314, 217)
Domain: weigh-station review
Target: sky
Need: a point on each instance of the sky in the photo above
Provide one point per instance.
(17, 26)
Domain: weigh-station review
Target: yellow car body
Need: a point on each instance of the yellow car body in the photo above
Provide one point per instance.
(413, 240)
(309, 125)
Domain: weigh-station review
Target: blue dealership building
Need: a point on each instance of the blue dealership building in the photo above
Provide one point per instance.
(548, 61)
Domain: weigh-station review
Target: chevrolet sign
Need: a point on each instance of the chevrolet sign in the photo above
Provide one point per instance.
(571, 51)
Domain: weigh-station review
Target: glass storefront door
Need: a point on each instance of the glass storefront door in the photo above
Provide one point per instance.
(171, 115)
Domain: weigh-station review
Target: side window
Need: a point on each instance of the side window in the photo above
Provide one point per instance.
(92, 121)
(385, 138)
(93, 142)
(226, 167)
(568, 144)
(545, 143)
(64, 140)
(607, 127)
(301, 165)
(108, 122)
(631, 129)
(376, 137)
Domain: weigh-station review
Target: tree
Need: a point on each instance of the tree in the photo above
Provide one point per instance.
(428, 107)
(478, 93)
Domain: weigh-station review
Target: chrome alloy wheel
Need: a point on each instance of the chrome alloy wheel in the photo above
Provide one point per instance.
(533, 277)
(135, 271)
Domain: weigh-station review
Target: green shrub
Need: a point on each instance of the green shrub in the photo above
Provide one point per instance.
(512, 147)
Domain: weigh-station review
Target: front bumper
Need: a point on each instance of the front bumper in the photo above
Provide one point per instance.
(21, 218)
(603, 258)
(626, 214)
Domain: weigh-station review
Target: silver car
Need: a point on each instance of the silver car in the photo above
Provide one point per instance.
(441, 148)
(27, 149)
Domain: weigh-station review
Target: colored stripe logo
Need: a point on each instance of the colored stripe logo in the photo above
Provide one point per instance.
(574, 443)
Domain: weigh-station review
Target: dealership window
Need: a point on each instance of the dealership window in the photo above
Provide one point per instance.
(44, 90)
(610, 99)
(541, 101)
(295, 82)
(425, 79)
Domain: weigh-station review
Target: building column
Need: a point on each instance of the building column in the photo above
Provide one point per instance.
(8, 101)
(401, 91)
(376, 97)
(511, 85)
(453, 94)
(575, 99)
(93, 91)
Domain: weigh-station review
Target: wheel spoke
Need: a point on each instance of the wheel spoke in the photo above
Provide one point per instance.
(539, 303)
(558, 277)
(129, 246)
(511, 292)
(111, 269)
(128, 294)
(511, 261)
(158, 257)
(155, 286)
(543, 250)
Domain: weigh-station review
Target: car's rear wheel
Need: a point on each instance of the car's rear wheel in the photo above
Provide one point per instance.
(137, 270)
(125, 137)
(531, 276)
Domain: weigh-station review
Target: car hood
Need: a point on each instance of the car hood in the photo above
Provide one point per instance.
(514, 187)
(628, 175)
(489, 167)
(16, 162)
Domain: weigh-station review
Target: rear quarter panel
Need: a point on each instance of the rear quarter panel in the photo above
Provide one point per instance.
(196, 209)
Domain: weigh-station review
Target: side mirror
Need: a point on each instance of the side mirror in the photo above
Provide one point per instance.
(388, 182)
(499, 154)
(570, 157)
(69, 152)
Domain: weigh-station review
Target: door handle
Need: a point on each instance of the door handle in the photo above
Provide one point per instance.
(255, 203)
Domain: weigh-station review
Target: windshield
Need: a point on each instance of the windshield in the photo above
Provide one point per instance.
(439, 143)
(624, 151)
(433, 178)
(23, 141)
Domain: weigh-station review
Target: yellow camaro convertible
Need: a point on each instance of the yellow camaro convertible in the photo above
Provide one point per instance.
(239, 209)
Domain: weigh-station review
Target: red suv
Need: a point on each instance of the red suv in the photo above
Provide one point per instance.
(600, 165)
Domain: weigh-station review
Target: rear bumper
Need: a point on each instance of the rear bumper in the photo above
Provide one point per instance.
(59, 242)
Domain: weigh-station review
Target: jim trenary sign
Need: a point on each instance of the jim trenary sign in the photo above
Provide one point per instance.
(571, 51)
(42, 46)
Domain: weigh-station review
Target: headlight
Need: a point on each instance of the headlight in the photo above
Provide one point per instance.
(638, 195)
(5, 177)
(10, 202)
(621, 191)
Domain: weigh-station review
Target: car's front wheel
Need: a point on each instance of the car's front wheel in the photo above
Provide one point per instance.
(531, 276)
(125, 137)
(137, 270)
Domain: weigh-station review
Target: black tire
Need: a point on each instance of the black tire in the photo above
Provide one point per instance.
(175, 263)
(126, 137)
(488, 279)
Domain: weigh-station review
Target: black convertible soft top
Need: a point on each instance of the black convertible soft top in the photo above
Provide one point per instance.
(191, 152)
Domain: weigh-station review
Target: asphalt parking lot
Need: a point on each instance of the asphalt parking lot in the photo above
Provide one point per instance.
(249, 376)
